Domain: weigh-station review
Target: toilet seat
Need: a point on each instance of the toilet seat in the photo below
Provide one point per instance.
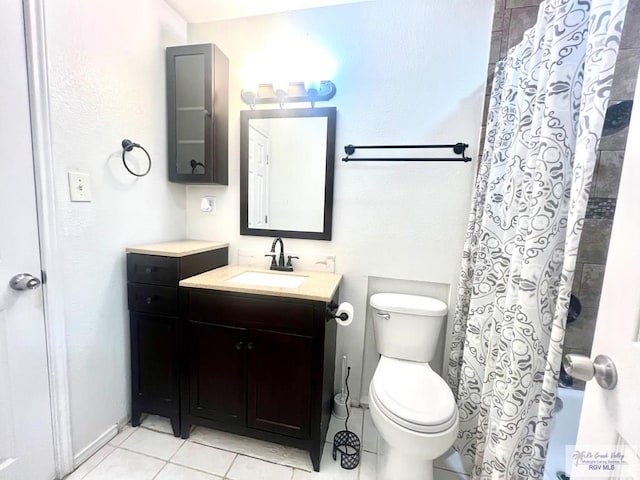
(412, 395)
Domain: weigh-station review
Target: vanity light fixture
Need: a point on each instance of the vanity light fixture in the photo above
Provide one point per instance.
(292, 92)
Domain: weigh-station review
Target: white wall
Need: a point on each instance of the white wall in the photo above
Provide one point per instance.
(107, 81)
(408, 72)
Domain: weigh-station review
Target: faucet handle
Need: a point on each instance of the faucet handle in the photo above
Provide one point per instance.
(289, 257)
(273, 259)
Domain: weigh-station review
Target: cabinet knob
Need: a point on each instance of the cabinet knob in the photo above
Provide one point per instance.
(239, 345)
(250, 346)
(149, 300)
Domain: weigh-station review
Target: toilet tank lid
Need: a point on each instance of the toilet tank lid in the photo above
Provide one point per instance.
(412, 304)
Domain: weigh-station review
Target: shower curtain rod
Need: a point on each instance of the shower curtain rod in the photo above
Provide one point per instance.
(458, 148)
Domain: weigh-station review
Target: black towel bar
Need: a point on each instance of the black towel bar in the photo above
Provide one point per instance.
(458, 149)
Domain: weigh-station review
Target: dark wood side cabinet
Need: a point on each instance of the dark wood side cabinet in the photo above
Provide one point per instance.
(155, 328)
(257, 365)
(198, 114)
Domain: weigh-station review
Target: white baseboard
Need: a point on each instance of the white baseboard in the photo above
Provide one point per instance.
(124, 422)
(93, 447)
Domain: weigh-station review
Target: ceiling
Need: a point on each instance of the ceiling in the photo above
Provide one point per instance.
(197, 11)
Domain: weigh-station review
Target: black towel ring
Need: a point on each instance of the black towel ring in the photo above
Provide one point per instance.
(127, 146)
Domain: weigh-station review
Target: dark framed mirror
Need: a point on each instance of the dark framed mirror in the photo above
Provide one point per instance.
(286, 172)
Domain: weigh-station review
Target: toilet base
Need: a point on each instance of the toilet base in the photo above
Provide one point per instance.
(393, 464)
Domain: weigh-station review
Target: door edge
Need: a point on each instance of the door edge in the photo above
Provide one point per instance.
(35, 39)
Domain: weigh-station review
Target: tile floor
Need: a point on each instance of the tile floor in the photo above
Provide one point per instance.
(151, 452)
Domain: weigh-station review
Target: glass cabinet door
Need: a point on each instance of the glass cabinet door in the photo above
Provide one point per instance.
(197, 104)
(190, 114)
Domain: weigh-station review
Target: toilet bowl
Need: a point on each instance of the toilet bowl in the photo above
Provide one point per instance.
(412, 407)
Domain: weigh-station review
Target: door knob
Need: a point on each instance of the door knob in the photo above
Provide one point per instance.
(602, 369)
(24, 281)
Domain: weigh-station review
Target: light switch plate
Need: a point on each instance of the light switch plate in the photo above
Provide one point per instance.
(79, 187)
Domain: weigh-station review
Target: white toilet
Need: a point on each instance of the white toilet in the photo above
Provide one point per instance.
(412, 407)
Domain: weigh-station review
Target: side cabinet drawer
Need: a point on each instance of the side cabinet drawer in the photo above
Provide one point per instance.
(153, 299)
(152, 269)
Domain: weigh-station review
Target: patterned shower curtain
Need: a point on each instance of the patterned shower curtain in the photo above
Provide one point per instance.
(545, 119)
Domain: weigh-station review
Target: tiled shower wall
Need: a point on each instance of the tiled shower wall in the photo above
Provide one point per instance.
(511, 19)
(592, 254)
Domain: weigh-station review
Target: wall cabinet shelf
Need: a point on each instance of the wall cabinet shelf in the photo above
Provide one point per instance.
(259, 366)
(197, 114)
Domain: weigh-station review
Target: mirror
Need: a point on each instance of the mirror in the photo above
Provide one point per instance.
(286, 172)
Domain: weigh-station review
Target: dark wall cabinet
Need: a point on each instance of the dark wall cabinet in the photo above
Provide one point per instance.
(198, 111)
(155, 329)
(259, 366)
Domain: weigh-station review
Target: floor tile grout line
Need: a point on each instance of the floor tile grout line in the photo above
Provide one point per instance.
(248, 455)
(184, 442)
(160, 471)
(262, 460)
(158, 431)
(147, 454)
(171, 458)
(231, 465)
(96, 465)
(222, 449)
(133, 430)
(188, 467)
(236, 454)
(364, 414)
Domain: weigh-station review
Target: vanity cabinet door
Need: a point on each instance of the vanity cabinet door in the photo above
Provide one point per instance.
(279, 382)
(154, 365)
(217, 387)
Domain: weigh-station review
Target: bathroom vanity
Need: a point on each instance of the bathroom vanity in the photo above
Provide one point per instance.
(258, 358)
(235, 348)
(153, 273)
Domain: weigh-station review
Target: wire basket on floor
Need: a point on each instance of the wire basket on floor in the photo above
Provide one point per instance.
(348, 444)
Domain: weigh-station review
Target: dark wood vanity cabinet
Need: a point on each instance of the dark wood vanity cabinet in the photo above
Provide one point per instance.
(217, 366)
(279, 382)
(197, 114)
(154, 328)
(259, 366)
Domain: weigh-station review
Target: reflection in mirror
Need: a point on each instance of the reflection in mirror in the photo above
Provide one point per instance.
(287, 172)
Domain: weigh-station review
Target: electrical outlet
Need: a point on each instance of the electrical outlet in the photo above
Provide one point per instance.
(79, 187)
(208, 205)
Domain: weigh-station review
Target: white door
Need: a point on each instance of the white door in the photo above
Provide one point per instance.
(612, 417)
(26, 441)
(258, 179)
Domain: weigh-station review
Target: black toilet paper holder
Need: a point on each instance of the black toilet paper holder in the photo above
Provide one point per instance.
(331, 312)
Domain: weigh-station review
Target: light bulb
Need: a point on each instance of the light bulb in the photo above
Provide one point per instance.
(281, 87)
(312, 87)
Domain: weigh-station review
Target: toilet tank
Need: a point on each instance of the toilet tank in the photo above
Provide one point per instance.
(407, 326)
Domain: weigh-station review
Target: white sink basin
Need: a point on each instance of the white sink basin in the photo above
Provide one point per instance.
(264, 279)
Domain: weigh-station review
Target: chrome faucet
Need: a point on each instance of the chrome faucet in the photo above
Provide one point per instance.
(279, 265)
